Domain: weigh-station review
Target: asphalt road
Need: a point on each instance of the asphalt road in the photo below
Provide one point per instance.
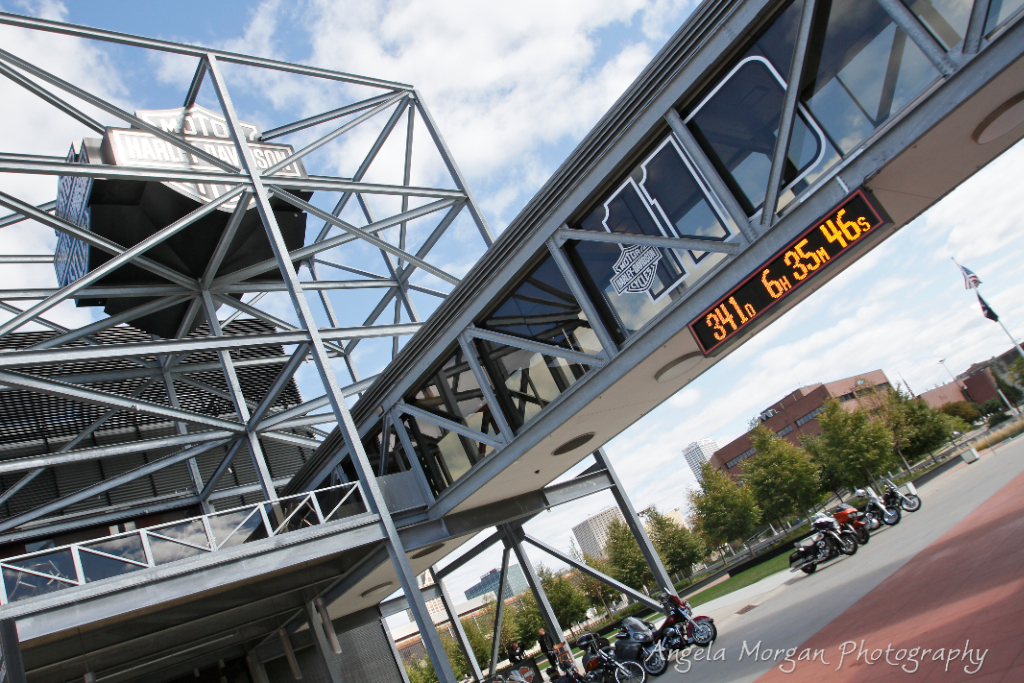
(784, 610)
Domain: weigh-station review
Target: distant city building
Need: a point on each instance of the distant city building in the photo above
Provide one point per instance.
(592, 534)
(677, 515)
(976, 385)
(698, 453)
(489, 583)
(797, 414)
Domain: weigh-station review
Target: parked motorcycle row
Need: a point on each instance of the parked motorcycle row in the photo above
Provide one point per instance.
(847, 528)
(640, 648)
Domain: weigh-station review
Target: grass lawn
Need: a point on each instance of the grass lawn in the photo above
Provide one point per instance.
(742, 580)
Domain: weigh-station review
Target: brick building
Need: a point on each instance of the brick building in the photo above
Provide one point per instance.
(796, 414)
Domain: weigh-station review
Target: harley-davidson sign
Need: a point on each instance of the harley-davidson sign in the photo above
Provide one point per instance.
(635, 269)
(204, 129)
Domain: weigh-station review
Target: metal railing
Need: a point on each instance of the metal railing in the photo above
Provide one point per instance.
(54, 569)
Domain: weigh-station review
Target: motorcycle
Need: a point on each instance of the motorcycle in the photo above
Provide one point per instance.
(910, 502)
(635, 641)
(828, 541)
(600, 665)
(680, 628)
(852, 519)
(877, 511)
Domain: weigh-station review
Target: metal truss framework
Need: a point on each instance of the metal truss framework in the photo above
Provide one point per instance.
(317, 343)
(160, 361)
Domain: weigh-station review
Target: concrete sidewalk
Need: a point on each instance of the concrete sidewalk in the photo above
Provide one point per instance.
(955, 612)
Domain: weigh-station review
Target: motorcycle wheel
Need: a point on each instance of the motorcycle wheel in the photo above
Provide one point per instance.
(863, 536)
(629, 672)
(911, 503)
(848, 544)
(704, 632)
(655, 662)
(809, 568)
(892, 515)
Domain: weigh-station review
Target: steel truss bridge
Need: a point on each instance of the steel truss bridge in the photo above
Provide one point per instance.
(572, 325)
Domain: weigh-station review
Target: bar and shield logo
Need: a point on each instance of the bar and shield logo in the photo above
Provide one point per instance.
(635, 269)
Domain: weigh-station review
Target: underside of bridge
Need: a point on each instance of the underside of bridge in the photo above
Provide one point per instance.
(174, 508)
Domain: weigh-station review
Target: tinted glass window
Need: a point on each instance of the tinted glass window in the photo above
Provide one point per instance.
(738, 124)
(945, 19)
(999, 11)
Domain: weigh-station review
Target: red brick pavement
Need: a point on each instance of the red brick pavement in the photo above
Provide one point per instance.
(966, 586)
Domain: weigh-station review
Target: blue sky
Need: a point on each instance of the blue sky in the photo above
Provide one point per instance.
(513, 90)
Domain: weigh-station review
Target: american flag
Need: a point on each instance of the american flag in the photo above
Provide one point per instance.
(971, 281)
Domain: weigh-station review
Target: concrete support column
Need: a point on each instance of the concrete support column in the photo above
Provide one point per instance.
(257, 672)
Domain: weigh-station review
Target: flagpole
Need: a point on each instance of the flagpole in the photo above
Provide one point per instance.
(1019, 349)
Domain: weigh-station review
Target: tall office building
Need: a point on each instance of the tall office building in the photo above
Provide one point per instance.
(489, 583)
(698, 453)
(592, 534)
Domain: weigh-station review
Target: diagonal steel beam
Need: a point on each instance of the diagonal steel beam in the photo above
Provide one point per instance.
(789, 107)
(12, 218)
(47, 96)
(362, 234)
(453, 169)
(107, 484)
(311, 121)
(111, 321)
(340, 130)
(103, 105)
(537, 347)
(62, 390)
(647, 240)
(975, 27)
(92, 239)
(450, 425)
(593, 573)
(304, 253)
(191, 50)
(280, 382)
(116, 262)
(222, 467)
(259, 460)
(499, 611)
(363, 168)
(906, 20)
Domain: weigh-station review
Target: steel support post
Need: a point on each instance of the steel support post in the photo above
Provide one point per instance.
(241, 407)
(499, 610)
(325, 618)
(374, 498)
(635, 525)
(410, 454)
(915, 30)
(586, 305)
(394, 651)
(460, 632)
(323, 647)
(469, 351)
(976, 27)
(182, 429)
(721, 192)
(514, 537)
(789, 108)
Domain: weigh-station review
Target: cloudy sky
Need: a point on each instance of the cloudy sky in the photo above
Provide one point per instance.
(513, 88)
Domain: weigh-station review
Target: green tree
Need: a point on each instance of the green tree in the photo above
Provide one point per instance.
(525, 620)
(677, 546)
(598, 593)
(625, 560)
(991, 406)
(962, 409)
(568, 602)
(852, 443)
(1012, 393)
(896, 411)
(932, 428)
(724, 510)
(1017, 371)
(782, 477)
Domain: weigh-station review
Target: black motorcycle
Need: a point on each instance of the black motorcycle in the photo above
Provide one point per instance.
(602, 664)
(828, 541)
(893, 497)
(636, 641)
(877, 512)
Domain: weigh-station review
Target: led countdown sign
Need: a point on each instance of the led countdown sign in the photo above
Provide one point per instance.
(803, 259)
